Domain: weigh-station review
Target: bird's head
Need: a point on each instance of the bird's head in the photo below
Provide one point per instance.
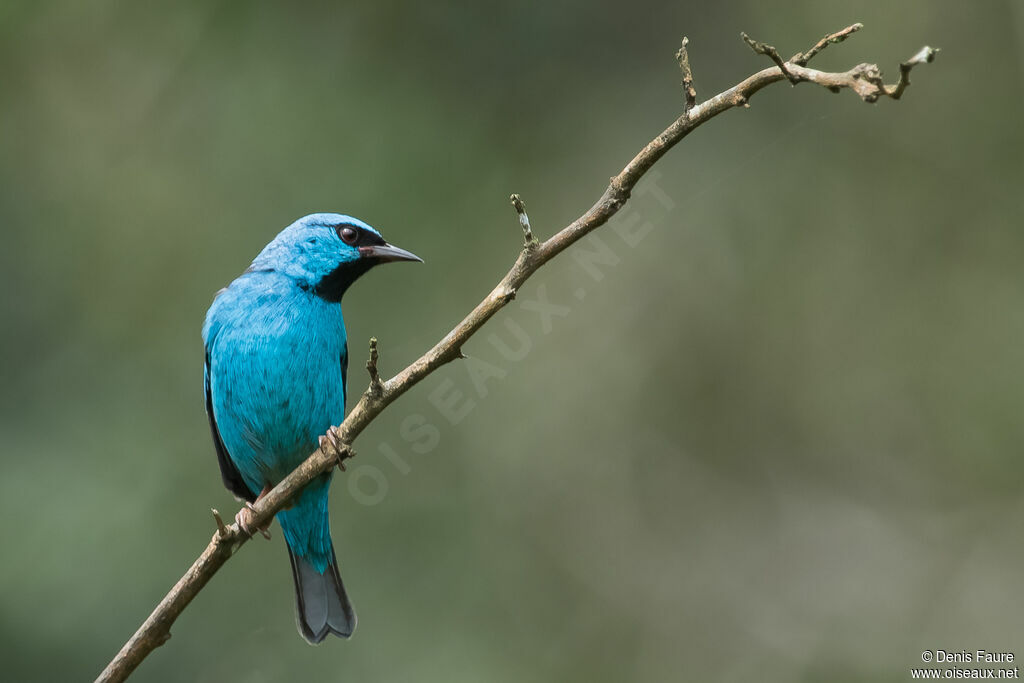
(327, 252)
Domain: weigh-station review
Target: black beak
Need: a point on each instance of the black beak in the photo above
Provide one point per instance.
(386, 252)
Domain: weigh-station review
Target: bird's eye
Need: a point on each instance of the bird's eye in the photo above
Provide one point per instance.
(348, 234)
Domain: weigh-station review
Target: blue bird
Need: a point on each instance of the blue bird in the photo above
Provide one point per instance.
(276, 362)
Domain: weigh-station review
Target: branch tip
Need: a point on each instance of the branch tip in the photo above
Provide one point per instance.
(771, 53)
(925, 55)
(689, 91)
(866, 79)
(802, 58)
(222, 531)
(524, 220)
(371, 367)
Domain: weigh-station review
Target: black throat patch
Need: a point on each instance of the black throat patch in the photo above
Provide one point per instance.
(333, 285)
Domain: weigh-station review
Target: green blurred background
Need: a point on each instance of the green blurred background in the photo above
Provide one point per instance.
(778, 440)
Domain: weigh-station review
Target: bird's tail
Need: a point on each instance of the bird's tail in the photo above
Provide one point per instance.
(321, 605)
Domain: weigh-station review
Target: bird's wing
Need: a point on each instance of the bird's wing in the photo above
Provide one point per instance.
(344, 375)
(228, 471)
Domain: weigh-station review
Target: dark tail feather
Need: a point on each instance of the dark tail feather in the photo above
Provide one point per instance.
(321, 604)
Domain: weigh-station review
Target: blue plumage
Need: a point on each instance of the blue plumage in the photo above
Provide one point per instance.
(276, 359)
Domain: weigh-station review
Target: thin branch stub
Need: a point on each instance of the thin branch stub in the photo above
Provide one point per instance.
(524, 220)
(802, 58)
(689, 91)
(866, 79)
(924, 56)
(771, 53)
(371, 367)
(222, 531)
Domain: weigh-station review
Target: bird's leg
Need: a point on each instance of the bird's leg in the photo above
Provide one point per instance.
(244, 516)
(331, 444)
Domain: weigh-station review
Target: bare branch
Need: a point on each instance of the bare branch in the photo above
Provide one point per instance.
(924, 55)
(221, 529)
(335, 446)
(866, 79)
(802, 58)
(371, 367)
(766, 49)
(683, 55)
(524, 220)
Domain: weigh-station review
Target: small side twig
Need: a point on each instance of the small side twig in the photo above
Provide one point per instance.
(524, 220)
(866, 79)
(924, 55)
(802, 58)
(222, 531)
(683, 56)
(371, 367)
(772, 53)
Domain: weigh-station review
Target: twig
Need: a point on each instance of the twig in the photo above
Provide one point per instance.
(371, 367)
(866, 79)
(924, 55)
(690, 92)
(802, 58)
(766, 49)
(156, 629)
(524, 220)
(222, 531)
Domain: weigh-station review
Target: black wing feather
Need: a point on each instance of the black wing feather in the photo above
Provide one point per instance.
(228, 472)
(344, 375)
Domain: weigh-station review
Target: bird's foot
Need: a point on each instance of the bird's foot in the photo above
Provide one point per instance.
(347, 454)
(245, 515)
(245, 523)
(332, 444)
